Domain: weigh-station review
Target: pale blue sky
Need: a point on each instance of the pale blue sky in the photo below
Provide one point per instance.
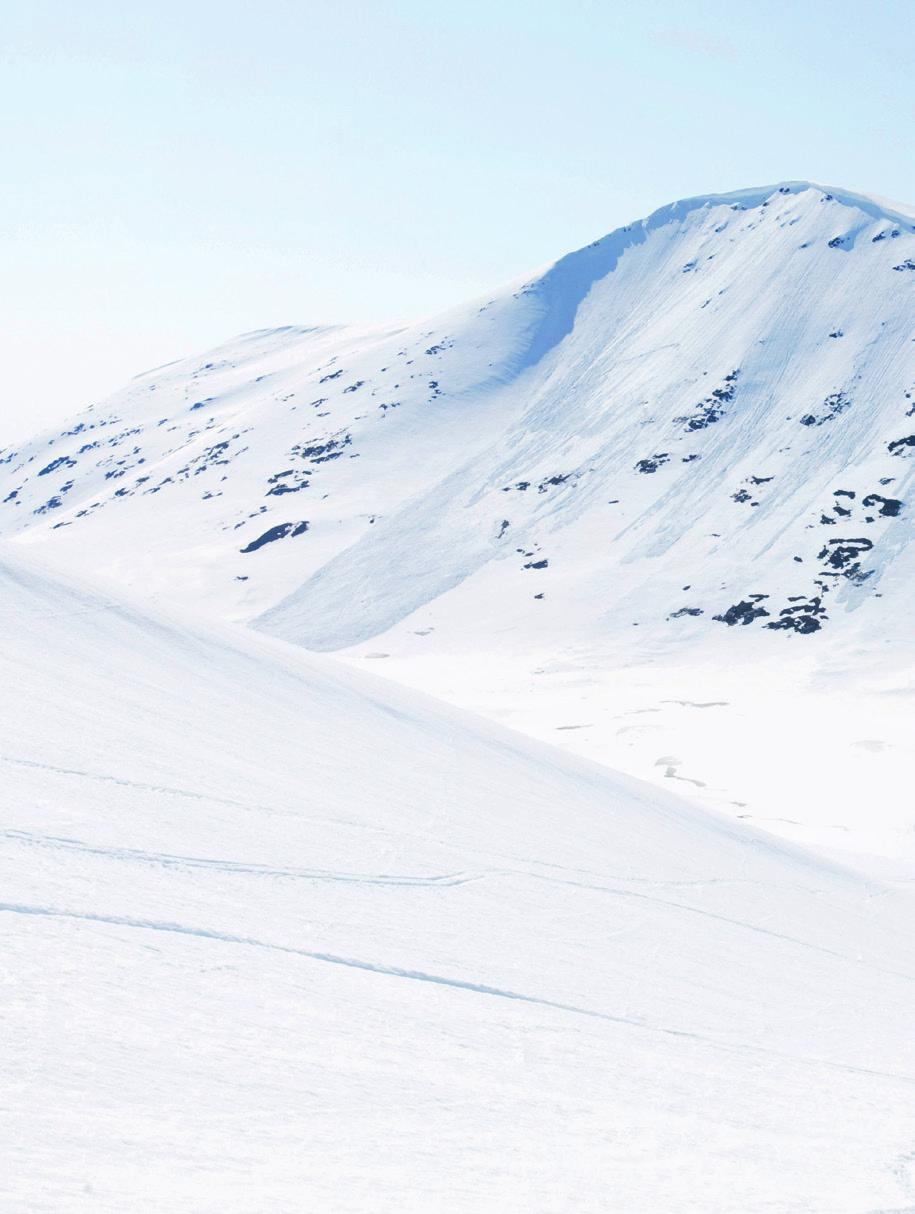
(178, 172)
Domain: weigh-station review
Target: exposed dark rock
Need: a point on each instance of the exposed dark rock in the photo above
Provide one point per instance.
(320, 453)
(653, 463)
(841, 555)
(889, 506)
(833, 405)
(280, 531)
(62, 461)
(51, 504)
(744, 612)
(711, 409)
(281, 485)
(552, 480)
(804, 616)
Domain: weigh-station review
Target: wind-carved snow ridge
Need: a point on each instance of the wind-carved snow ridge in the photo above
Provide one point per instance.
(560, 291)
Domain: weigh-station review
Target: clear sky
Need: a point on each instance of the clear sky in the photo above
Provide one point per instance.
(179, 171)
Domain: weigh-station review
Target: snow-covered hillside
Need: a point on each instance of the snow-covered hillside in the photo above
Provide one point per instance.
(673, 469)
(282, 936)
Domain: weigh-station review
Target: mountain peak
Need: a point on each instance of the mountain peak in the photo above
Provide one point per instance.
(561, 288)
(757, 196)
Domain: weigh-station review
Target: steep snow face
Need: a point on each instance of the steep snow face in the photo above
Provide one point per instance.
(686, 451)
(721, 395)
(279, 928)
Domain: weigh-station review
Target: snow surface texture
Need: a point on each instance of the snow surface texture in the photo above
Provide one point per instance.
(628, 505)
(282, 936)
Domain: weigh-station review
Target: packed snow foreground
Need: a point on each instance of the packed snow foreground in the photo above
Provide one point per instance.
(279, 934)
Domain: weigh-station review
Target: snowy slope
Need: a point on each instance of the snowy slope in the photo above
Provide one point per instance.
(673, 468)
(284, 936)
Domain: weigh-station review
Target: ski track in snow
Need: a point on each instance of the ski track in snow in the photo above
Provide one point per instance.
(443, 881)
(459, 984)
(234, 867)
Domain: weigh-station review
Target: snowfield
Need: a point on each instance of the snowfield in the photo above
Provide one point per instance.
(282, 936)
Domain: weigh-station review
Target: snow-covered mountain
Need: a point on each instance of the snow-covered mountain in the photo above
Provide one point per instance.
(671, 474)
(283, 936)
